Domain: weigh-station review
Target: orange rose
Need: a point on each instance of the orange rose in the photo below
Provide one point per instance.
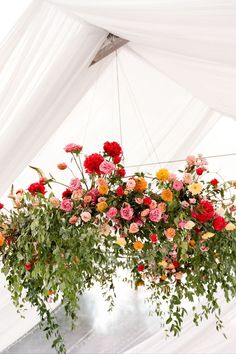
(102, 206)
(167, 195)
(138, 245)
(141, 184)
(162, 207)
(163, 277)
(163, 174)
(192, 243)
(170, 233)
(103, 189)
(2, 239)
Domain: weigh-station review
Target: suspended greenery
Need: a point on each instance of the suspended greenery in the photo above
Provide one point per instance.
(174, 233)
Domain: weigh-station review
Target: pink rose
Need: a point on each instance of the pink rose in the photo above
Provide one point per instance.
(187, 178)
(191, 160)
(66, 205)
(87, 199)
(192, 200)
(112, 213)
(178, 185)
(145, 212)
(153, 204)
(101, 199)
(127, 213)
(181, 224)
(155, 215)
(94, 194)
(106, 167)
(139, 200)
(77, 195)
(133, 228)
(75, 184)
(204, 248)
(184, 204)
(73, 148)
(130, 184)
(85, 216)
(73, 220)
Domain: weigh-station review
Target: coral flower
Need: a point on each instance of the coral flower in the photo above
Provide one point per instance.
(170, 233)
(102, 206)
(163, 174)
(141, 184)
(167, 195)
(138, 245)
(103, 189)
(62, 166)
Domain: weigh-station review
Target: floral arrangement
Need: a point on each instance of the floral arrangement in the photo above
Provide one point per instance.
(176, 235)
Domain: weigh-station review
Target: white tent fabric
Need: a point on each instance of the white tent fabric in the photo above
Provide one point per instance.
(191, 41)
(47, 90)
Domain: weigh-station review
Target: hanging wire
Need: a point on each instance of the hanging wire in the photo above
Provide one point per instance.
(118, 99)
(181, 160)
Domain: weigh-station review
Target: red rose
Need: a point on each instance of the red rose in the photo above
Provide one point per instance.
(176, 264)
(28, 266)
(214, 182)
(1, 205)
(116, 159)
(140, 267)
(147, 201)
(43, 180)
(35, 188)
(204, 211)
(200, 171)
(92, 163)
(120, 191)
(219, 223)
(112, 149)
(121, 172)
(153, 238)
(67, 194)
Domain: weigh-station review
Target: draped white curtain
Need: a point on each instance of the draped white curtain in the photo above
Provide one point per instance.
(43, 74)
(191, 41)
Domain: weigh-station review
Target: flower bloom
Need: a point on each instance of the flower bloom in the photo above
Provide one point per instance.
(105, 229)
(145, 213)
(147, 201)
(116, 159)
(120, 191)
(219, 223)
(204, 248)
(75, 184)
(141, 184)
(127, 213)
(66, 205)
(155, 215)
(178, 185)
(77, 195)
(191, 160)
(153, 205)
(189, 225)
(153, 238)
(106, 167)
(1, 205)
(130, 184)
(204, 211)
(162, 207)
(121, 172)
(195, 188)
(192, 200)
(92, 163)
(73, 220)
(121, 241)
(103, 189)
(85, 216)
(187, 178)
(200, 170)
(214, 182)
(140, 268)
(139, 200)
(62, 166)
(170, 232)
(2, 239)
(112, 212)
(138, 245)
(112, 149)
(184, 204)
(207, 235)
(167, 195)
(55, 202)
(178, 275)
(163, 174)
(73, 148)
(94, 194)
(35, 188)
(133, 228)
(67, 194)
(230, 227)
(102, 206)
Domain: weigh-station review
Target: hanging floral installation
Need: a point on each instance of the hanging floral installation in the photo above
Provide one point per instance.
(176, 236)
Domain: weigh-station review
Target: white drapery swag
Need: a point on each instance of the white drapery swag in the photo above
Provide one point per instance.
(43, 74)
(191, 41)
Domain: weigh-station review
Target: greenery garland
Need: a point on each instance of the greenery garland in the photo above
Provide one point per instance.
(176, 235)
